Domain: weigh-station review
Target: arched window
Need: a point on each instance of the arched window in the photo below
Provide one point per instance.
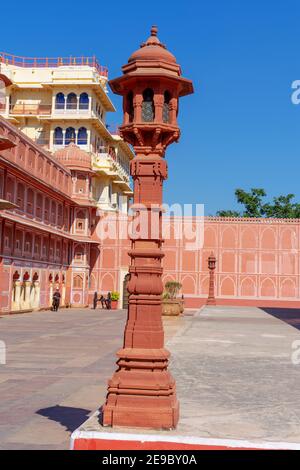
(80, 221)
(166, 108)
(84, 101)
(77, 282)
(58, 136)
(130, 108)
(71, 101)
(70, 135)
(82, 136)
(148, 106)
(60, 101)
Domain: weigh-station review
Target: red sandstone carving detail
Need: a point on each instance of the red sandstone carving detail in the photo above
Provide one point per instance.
(142, 392)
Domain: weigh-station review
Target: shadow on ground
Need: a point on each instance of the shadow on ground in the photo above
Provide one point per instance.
(69, 417)
(291, 316)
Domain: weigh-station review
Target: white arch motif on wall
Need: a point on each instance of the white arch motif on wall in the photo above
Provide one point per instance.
(271, 230)
(233, 232)
(293, 238)
(167, 278)
(194, 284)
(267, 279)
(253, 284)
(107, 275)
(283, 282)
(234, 286)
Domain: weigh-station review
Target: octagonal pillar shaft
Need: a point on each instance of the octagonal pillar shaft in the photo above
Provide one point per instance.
(142, 392)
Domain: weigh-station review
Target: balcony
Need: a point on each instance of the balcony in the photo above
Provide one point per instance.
(105, 162)
(20, 109)
(53, 62)
(102, 160)
(58, 145)
(73, 109)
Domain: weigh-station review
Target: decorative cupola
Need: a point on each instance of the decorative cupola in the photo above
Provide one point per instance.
(79, 162)
(151, 85)
(74, 158)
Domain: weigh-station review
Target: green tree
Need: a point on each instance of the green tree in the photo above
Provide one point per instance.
(253, 201)
(282, 208)
(229, 213)
(254, 205)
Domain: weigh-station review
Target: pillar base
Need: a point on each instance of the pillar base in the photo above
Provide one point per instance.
(92, 436)
(142, 392)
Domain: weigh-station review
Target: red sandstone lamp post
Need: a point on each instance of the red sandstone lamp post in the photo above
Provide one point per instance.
(142, 392)
(211, 300)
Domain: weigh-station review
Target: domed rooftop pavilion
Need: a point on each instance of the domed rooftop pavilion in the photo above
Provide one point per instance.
(74, 158)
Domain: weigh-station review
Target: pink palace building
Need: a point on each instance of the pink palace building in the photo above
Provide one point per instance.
(62, 170)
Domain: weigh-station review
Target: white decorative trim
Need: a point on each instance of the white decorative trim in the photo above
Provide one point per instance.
(191, 440)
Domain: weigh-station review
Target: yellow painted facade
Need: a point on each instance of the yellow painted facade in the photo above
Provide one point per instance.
(56, 101)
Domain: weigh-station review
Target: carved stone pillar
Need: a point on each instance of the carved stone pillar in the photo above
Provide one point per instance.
(50, 293)
(27, 289)
(159, 104)
(16, 296)
(35, 297)
(142, 392)
(137, 105)
(173, 111)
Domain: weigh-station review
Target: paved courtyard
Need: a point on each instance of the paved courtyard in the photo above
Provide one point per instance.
(233, 367)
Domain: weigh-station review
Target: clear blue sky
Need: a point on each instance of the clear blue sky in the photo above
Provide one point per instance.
(240, 128)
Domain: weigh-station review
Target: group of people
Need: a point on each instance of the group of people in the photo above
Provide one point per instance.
(105, 302)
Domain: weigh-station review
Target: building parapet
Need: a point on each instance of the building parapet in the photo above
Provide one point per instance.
(35, 160)
(260, 220)
(50, 62)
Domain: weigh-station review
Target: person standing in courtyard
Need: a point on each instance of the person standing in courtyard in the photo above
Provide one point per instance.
(56, 300)
(108, 301)
(102, 300)
(95, 300)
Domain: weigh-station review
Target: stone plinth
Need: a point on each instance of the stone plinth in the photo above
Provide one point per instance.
(92, 436)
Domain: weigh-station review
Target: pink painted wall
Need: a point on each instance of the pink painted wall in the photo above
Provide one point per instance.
(257, 262)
